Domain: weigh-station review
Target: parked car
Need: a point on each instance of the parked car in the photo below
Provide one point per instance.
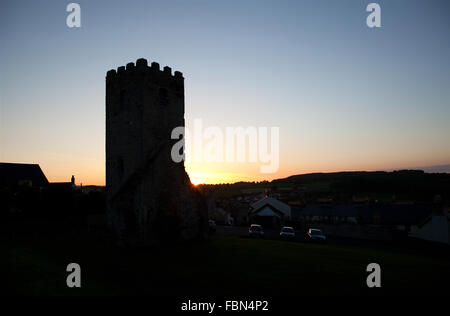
(212, 226)
(315, 235)
(287, 233)
(255, 230)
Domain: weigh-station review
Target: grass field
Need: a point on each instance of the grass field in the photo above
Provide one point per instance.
(221, 266)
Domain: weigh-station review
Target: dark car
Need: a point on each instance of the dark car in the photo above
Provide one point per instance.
(316, 235)
(212, 226)
(287, 233)
(255, 231)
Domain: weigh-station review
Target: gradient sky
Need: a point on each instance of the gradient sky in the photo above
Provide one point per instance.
(345, 96)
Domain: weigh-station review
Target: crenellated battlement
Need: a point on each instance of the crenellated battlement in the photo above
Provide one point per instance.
(141, 67)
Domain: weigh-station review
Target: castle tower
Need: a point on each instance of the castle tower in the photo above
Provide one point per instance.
(149, 196)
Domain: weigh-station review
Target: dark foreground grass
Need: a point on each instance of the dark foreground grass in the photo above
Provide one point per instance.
(223, 266)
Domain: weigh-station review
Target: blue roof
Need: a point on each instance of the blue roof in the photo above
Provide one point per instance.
(331, 210)
(388, 214)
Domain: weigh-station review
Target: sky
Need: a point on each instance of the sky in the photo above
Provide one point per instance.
(344, 96)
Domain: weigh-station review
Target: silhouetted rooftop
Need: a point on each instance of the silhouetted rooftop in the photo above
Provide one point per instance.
(13, 174)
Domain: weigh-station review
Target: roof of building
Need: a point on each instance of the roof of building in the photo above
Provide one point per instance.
(61, 185)
(430, 217)
(12, 174)
(331, 210)
(266, 207)
(398, 214)
(273, 203)
(388, 214)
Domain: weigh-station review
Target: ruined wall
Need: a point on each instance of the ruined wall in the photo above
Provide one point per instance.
(149, 197)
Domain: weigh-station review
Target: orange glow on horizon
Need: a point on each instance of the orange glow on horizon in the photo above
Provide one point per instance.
(197, 181)
(92, 172)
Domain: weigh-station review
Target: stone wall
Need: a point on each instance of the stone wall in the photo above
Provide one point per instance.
(149, 196)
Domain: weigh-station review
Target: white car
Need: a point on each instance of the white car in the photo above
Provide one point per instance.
(316, 235)
(287, 233)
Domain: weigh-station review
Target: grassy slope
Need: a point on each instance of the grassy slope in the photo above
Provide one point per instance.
(223, 266)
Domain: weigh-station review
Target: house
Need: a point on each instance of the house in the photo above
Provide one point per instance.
(218, 214)
(269, 211)
(238, 211)
(360, 199)
(67, 186)
(330, 213)
(92, 188)
(221, 216)
(399, 216)
(324, 200)
(296, 214)
(435, 228)
(14, 175)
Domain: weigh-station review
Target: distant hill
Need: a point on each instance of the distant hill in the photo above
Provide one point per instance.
(401, 185)
(415, 183)
(384, 175)
(435, 169)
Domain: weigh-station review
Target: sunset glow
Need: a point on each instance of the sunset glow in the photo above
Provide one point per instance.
(197, 181)
(344, 97)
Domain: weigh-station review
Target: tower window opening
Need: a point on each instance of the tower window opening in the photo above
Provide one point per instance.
(122, 100)
(163, 92)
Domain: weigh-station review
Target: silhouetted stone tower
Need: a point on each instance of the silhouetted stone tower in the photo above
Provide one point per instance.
(149, 196)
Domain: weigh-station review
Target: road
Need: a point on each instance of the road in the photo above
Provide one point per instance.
(416, 247)
(241, 231)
